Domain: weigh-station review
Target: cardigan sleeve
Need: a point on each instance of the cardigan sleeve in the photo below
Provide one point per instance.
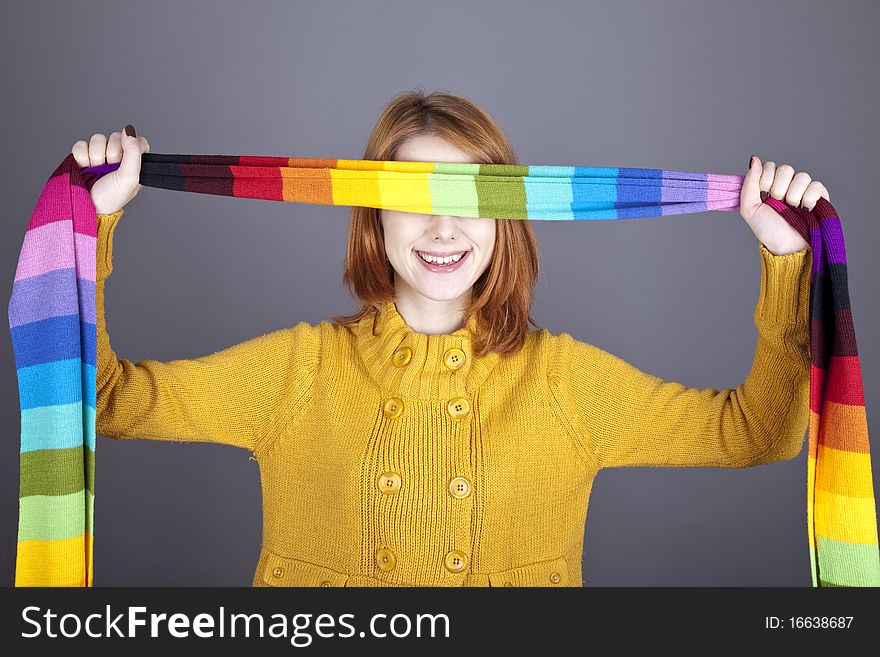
(622, 416)
(231, 396)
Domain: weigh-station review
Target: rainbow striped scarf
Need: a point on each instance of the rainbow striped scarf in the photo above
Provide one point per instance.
(52, 322)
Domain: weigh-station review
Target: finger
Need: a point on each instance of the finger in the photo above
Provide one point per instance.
(767, 176)
(784, 174)
(114, 147)
(145, 148)
(97, 149)
(131, 157)
(814, 190)
(811, 195)
(797, 187)
(80, 151)
(750, 196)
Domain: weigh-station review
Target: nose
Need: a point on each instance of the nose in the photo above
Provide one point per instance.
(444, 226)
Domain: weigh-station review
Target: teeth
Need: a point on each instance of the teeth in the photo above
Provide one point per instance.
(439, 261)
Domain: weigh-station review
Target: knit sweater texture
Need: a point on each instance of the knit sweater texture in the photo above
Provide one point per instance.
(390, 457)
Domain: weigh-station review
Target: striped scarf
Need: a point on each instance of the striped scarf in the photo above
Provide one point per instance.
(52, 322)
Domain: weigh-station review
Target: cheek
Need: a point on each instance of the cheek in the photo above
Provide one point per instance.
(393, 233)
(488, 235)
(402, 228)
(488, 243)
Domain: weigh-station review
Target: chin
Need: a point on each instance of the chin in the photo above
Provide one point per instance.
(444, 294)
(440, 295)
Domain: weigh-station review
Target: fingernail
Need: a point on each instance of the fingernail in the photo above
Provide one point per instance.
(751, 161)
(129, 130)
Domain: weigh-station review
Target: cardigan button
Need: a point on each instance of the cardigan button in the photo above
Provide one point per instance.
(455, 561)
(402, 356)
(278, 572)
(458, 407)
(555, 577)
(389, 482)
(385, 559)
(454, 358)
(460, 487)
(393, 408)
(325, 583)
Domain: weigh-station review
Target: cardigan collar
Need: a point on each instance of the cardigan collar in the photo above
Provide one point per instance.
(408, 363)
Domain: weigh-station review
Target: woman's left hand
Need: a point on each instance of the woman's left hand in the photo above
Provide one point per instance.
(783, 184)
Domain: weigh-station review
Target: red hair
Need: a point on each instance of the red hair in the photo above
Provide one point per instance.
(502, 295)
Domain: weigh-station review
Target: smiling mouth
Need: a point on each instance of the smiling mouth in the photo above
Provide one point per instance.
(440, 260)
(442, 265)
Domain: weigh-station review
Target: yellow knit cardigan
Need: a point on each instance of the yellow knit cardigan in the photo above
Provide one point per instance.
(395, 458)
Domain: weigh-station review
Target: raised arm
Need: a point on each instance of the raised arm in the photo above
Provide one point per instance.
(227, 397)
(622, 416)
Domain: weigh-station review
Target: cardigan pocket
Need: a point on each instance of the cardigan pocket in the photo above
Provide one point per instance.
(553, 572)
(287, 571)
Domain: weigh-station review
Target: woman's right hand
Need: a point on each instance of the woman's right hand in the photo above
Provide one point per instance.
(112, 191)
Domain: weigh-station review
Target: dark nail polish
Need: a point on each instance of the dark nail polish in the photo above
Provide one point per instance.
(129, 130)
(751, 159)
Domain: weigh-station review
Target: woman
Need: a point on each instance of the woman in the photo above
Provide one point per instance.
(434, 439)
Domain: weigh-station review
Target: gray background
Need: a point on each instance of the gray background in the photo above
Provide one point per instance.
(681, 85)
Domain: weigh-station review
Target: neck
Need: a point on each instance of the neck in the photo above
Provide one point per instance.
(429, 316)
